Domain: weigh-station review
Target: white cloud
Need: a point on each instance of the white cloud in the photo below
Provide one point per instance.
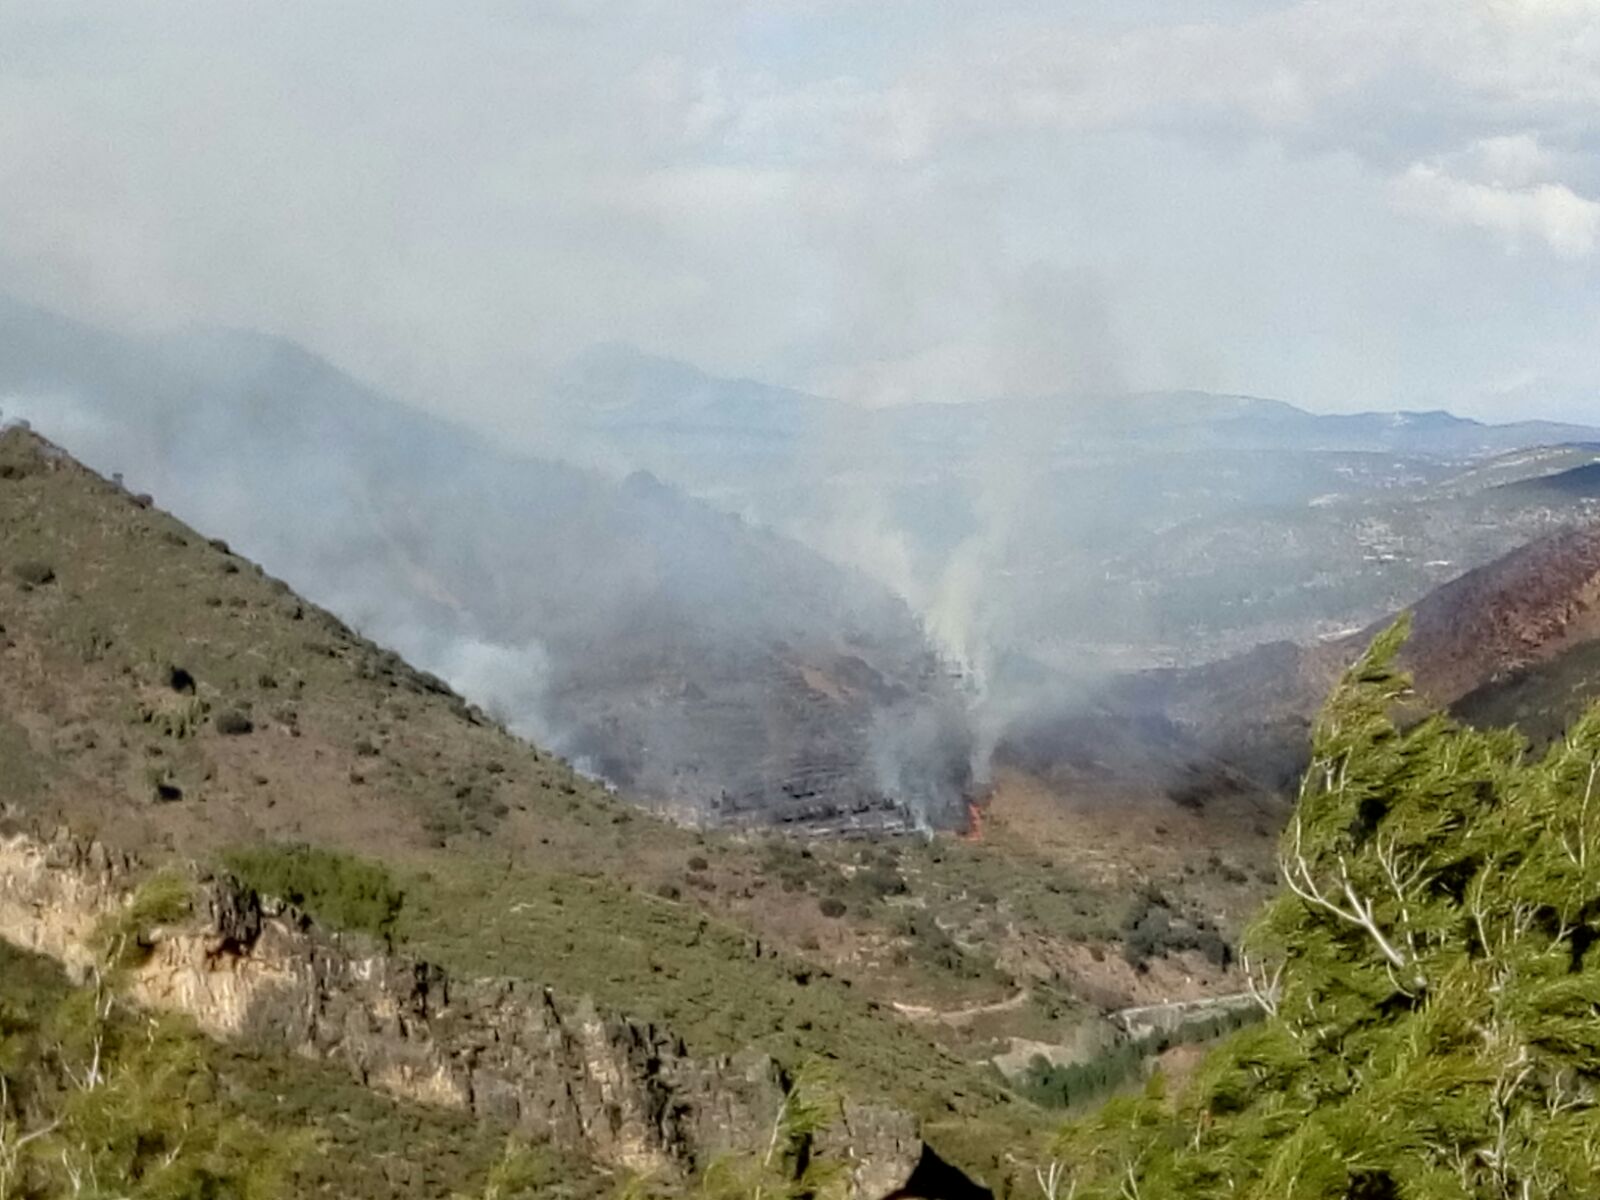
(1510, 161)
(866, 194)
(1551, 213)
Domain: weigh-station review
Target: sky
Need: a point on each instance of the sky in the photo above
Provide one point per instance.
(1348, 204)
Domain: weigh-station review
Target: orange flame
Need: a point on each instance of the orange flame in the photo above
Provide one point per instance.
(974, 830)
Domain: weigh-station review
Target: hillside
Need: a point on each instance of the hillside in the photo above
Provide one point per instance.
(1538, 699)
(166, 695)
(1582, 481)
(709, 667)
(1506, 641)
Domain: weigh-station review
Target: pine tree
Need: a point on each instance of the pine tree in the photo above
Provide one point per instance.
(100, 1100)
(1431, 993)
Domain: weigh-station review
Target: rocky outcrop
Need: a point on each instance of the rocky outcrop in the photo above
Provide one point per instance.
(243, 967)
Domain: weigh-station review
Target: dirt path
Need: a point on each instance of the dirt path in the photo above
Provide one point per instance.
(960, 1016)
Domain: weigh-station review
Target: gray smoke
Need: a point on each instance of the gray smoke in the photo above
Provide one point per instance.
(703, 663)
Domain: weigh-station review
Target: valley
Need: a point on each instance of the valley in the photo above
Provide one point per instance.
(800, 601)
(753, 805)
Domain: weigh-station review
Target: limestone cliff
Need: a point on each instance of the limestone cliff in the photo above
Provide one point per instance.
(246, 967)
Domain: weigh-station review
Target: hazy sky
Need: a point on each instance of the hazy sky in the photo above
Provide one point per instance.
(1348, 204)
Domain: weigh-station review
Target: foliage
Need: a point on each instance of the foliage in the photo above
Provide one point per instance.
(519, 1171)
(1427, 976)
(929, 942)
(787, 1169)
(338, 890)
(1150, 930)
(98, 1102)
(120, 940)
(288, 1125)
(1075, 1084)
(233, 723)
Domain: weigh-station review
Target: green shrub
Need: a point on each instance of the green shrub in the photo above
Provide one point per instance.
(122, 938)
(338, 890)
(932, 944)
(1152, 930)
(832, 906)
(880, 881)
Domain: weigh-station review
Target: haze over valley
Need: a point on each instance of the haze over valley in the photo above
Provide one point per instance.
(750, 604)
(800, 600)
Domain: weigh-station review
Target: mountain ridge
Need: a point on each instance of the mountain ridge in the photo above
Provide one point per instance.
(660, 392)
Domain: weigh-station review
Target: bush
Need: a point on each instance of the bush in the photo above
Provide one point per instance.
(932, 944)
(339, 890)
(881, 881)
(34, 574)
(1063, 1085)
(123, 938)
(832, 906)
(233, 723)
(126, 1102)
(1153, 930)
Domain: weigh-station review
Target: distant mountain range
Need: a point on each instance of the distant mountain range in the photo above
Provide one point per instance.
(621, 390)
(1093, 533)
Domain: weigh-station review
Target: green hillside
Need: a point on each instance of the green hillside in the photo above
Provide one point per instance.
(163, 694)
(172, 1114)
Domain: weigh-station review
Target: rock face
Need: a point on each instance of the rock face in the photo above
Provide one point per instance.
(506, 1050)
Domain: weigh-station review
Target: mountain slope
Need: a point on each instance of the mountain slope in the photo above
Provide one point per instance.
(1538, 700)
(1514, 635)
(165, 694)
(709, 667)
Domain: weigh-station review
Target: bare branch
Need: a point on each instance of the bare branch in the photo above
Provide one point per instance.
(1265, 990)
(1297, 874)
